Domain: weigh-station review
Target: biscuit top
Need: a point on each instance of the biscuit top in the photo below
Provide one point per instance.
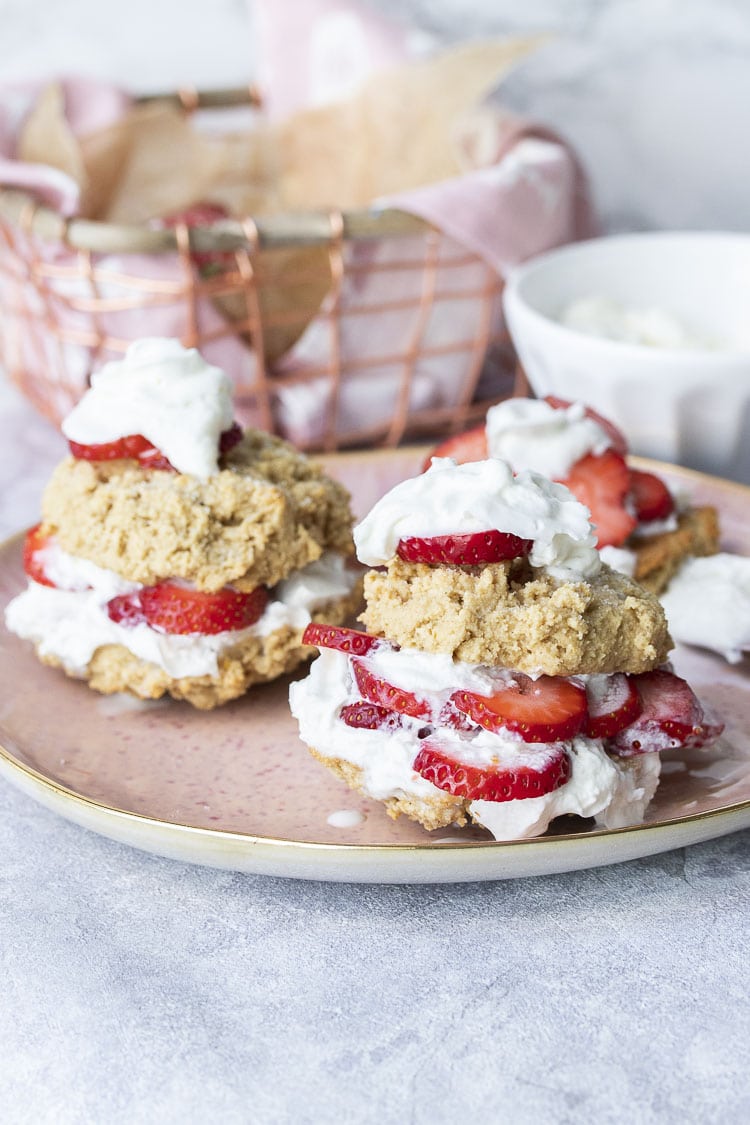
(167, 394)
(480, 496)
(531, 434)
(268, 512)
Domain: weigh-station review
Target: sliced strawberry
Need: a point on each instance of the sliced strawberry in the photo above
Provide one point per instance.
(203, 214)
(175, 609)
(384, 694)
(651, 498)
(613, 704)
(468, 446)
(671, 717)
(350, 641)
(516, 778)
(616, 436)
(471, 549)
(135, 447)
(601, 482)
(548, 709)
(34, 545)
(368, 716)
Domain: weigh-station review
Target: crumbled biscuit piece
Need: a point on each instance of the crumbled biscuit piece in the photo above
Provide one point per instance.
(268, 512)
(438, 811)
(659, 557)
(508, 615)
(113, 668)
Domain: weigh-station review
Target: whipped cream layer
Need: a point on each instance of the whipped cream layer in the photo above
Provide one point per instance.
(707, 603)
(451, 499)
(166, 393)
(612, 791)
(71, 624)
(531, 434)
(651, 326)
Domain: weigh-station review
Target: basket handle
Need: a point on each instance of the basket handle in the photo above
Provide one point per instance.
(189, 99)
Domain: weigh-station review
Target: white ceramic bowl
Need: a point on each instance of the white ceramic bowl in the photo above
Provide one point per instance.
(692, 406)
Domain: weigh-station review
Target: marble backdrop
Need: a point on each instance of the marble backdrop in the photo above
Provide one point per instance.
(655, 94)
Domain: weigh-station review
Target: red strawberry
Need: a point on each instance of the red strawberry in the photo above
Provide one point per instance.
(202, 214)
(350, 641)
(172, 608)
(671, 717)
(517, 777)
(384, 694)
(368, 716)
(651, 497)
(616, 436)
(613, 704)
(544, 710)
(471, 549)
(468, 446)
(601, 483)
(33, 563)
(135, 447)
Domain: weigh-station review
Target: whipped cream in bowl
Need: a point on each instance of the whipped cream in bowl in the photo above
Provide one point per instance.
(451, 499)
(166, 393)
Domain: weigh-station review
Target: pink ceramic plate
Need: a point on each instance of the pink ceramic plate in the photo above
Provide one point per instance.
(235, 788)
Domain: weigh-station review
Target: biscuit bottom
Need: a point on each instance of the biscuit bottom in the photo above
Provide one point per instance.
(659, 557)
(256, 660)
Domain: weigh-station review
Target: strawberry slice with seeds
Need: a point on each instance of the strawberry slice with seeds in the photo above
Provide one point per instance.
(386, 695)
(364, 715)
(470, 549)
(671, 717)
(613, 704)
(651, 498)
(468, 446)
(135, 447)
(518, 776)
(34, 546)
(548, 709)
(602, 482)
(176, 609)
(350, 641)
(616, 436)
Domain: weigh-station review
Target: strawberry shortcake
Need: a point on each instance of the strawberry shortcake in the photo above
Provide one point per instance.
(507, 676)
(643, 529)
(176, 554)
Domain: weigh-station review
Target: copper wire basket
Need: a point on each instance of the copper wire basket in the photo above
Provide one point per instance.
(60, 301)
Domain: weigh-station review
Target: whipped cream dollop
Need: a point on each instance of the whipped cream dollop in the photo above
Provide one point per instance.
(166, 393)
(451, 499)
(531, 434)
(653, 326)
(707, 603)
(71, 624)
(615, 792)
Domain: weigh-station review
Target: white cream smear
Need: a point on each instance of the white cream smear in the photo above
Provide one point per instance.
(614, 792)
(71, 624)
(345, 818)
(451, 499)
(166, 393)
(655, 327)
(531, 434)
(707, 603)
